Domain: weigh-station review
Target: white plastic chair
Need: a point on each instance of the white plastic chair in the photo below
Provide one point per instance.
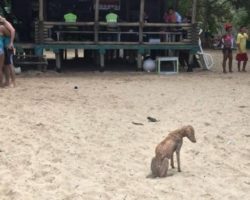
(206, 59)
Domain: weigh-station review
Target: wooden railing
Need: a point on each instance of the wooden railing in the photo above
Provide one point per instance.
(121, 33)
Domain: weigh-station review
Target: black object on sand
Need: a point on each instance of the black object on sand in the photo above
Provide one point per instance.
(151, 119)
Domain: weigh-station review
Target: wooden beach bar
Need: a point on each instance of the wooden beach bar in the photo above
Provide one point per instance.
(140, 28)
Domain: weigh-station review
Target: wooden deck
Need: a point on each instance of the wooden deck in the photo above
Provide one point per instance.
(49, 32)
(153, 36)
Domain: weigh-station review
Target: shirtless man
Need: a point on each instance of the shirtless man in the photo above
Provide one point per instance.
(7, 35)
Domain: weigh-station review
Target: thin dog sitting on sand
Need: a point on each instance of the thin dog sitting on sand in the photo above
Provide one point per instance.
(165, 150)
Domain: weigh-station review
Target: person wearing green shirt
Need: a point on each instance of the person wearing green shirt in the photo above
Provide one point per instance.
(70, 17)
(111, 17)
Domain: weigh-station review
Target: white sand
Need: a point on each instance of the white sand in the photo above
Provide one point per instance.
(58, 143)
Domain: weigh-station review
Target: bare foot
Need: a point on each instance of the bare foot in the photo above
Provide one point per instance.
(9, 85)
(6, 84)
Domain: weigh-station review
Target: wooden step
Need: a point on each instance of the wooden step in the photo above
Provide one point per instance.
(27, 60)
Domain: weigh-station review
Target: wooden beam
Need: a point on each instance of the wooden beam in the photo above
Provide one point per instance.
(127, 10)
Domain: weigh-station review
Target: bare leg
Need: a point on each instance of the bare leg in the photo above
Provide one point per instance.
(238, 66)
(11, 75)
(6, 75)
(230, 62)
(224, 62)
(244, 66)
(1, 69)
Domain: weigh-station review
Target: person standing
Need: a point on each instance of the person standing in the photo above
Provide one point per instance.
(172, 16)
(10, 77)
(242, 52)
(70, 17)
(5, 25)
(111, 16)
(112, 19)
(227, 42)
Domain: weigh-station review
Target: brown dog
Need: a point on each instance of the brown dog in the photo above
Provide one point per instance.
(165, 150)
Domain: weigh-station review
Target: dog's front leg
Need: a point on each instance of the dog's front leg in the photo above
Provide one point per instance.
(178, 160)
(178, 149)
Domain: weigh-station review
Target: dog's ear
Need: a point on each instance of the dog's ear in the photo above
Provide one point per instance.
(183, 131)
(190, 129)
(190, 133)
(186, 130)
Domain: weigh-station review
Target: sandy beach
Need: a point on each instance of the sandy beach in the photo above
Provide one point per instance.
(62, 143)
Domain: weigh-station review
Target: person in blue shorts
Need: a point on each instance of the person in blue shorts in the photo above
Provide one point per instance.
(7, 35)
(10, 77)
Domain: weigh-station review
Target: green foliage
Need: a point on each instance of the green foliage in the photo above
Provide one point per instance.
(243, 11)
(241, 17)
(214, 13)
(185, 7)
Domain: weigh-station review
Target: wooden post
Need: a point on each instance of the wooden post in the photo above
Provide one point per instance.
(194, 6)
(194, 25)
(194, 38)
(58, 60)
(141, 24)
(139, 60)
(102, 59)
(40, 21)
(141, 21)
(41, 9)
(127, 10)
(97, 3)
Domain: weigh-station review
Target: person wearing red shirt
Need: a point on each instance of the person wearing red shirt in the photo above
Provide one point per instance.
(227, 42)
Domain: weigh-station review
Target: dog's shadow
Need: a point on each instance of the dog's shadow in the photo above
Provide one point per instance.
(151, 176)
